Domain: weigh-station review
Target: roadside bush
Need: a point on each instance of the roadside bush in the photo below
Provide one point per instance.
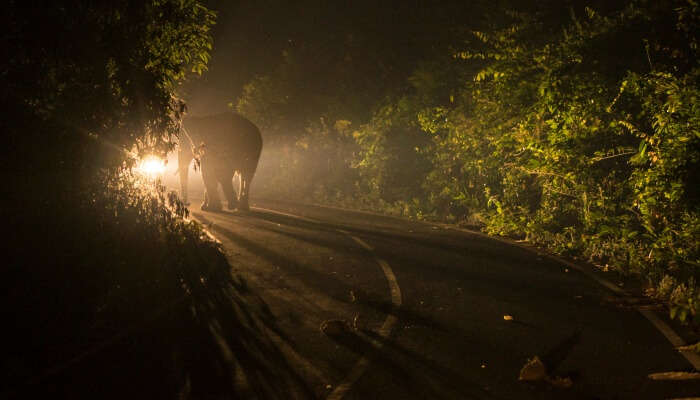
(573, 126)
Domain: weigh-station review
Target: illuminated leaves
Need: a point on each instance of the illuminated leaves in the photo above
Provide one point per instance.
(108, 82)
(575, 130)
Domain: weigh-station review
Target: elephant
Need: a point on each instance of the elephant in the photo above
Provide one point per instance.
(225, 144)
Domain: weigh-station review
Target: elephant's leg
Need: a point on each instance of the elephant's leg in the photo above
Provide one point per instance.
(244, 190)
(237, 183)
(184, 159)
(212, 202)
(205, 203)
(183, 172)
(239, 194)
(211, 192)
(226, 181)
(183, 186)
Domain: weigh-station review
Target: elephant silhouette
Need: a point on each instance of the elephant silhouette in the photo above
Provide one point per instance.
(225, 145)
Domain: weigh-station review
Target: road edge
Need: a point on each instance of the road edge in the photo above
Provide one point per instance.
(657, 322)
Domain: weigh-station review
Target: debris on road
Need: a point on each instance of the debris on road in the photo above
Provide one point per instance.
(534, 370)
(674, 376)
(335, 327)
(559, 382)
(691, 347)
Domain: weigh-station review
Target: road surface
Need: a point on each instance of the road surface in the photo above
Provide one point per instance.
(419, 311)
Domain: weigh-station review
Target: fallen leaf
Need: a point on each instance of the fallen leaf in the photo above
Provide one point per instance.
(533, 370)
(559, 382)
(691, 347)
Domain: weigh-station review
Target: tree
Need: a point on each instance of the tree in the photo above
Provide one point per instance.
(86, 88)
(86, 82)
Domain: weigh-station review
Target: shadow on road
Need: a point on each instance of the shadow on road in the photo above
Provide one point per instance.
(425, 378)
(474, 246)
(220, 341)
(557, 354)
(332, 286)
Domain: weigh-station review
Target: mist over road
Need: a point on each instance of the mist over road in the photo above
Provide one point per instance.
(449, 338)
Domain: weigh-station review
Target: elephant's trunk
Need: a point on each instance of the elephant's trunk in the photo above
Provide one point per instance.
(183, 170)
(184, 158)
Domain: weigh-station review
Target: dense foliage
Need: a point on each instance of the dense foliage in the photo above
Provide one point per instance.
(87, 78)
(87, 88)
(571, 125)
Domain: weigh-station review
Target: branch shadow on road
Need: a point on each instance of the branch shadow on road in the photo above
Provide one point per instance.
(241, 358)
(478, 245)
(424, 378)
(220, 341)
(556, 355)
(439, 381)
(403, 313)
(321, 281)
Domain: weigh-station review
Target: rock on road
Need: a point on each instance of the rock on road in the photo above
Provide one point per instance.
(471, 312)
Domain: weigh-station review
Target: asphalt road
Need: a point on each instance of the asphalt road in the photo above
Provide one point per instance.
(420, 312)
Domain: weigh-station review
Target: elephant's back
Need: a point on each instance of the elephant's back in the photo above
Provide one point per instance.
(227, 136)
(227, 129)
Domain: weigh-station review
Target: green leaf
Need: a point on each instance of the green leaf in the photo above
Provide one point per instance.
(642, 148)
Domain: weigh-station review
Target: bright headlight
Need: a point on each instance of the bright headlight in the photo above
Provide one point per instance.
(151, 166)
